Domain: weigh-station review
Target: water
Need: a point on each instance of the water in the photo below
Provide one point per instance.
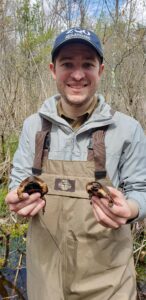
(8, 288)
(13, 271)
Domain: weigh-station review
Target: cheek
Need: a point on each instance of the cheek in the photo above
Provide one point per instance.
(94, 79)
(93, 76)
(61, 78)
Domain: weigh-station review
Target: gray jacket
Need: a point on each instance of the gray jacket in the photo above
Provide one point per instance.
(125, 147)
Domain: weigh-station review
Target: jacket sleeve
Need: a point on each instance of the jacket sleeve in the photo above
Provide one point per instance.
(24, 155)
(133, 170)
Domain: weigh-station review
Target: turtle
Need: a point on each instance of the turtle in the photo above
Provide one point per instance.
(30, 185)
(95, 188)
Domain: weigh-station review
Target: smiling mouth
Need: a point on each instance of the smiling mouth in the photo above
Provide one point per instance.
(77, 87)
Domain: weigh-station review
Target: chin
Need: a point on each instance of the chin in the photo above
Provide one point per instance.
(77, 100)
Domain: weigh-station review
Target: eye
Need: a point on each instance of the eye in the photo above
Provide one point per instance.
(67, 65)
(88, 65)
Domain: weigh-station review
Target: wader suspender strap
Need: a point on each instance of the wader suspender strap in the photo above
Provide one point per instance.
(97, 152)
(42, 143)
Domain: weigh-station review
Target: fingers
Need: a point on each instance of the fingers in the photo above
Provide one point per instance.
(29, 206)
(38, 207)
(105, 216)
(114, 216)
(12, 197)
(27, 200)
(114, 191)
(31, 209)
(103, 219)
(118, 210)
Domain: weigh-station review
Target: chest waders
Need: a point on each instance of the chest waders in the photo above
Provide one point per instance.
(69, 255)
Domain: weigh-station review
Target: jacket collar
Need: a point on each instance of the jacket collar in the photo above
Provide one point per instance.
(101, 116)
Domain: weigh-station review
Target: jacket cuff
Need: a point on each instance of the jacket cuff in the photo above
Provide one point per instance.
(140, 215)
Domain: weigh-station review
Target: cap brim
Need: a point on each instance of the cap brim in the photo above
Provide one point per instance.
(55, 51)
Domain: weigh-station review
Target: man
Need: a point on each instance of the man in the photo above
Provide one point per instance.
(76, 250)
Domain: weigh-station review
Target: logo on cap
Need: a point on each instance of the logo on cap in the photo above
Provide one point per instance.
(78, 33)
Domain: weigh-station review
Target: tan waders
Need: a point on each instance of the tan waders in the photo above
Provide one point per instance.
(69, 255)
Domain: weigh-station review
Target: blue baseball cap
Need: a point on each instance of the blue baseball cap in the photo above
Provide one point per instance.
(80, 35)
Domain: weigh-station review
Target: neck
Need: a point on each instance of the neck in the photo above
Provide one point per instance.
(75, 111)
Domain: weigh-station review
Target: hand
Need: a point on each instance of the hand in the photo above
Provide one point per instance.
(117, 215)
(28, 207)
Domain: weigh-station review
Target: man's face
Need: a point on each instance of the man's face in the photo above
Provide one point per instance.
(77, 73)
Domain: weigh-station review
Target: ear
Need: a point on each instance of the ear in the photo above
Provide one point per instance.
(101, 68)
(53, 71)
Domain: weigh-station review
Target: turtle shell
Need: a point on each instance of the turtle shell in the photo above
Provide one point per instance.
(30, 185)
(95, 188)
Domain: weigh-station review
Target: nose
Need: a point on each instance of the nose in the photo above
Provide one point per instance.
(78, 74)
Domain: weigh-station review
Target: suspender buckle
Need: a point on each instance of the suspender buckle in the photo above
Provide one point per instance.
(100, 174)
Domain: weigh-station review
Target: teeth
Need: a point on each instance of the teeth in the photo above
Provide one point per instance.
(77, 86)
